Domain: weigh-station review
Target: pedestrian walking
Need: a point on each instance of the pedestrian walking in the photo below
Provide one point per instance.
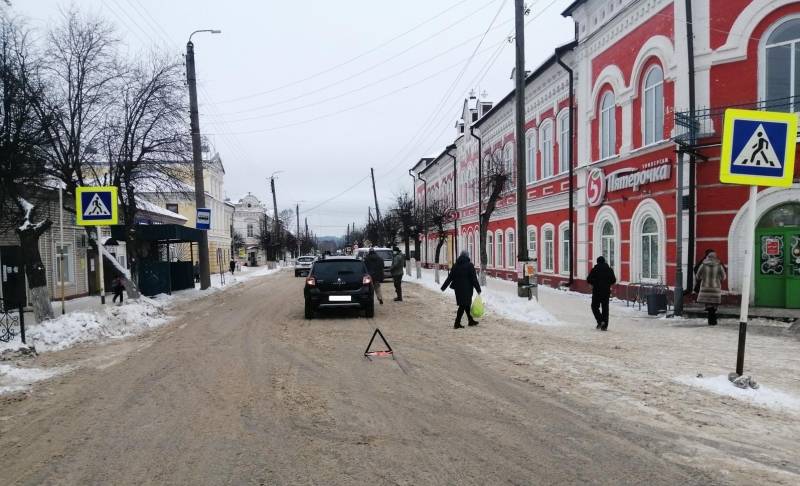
(696, 269)
(710, 275)
(374, 264)
(232, 265)
(601, 278)
(196, 270)
(117, 287)
(462, 278)
(397, 269)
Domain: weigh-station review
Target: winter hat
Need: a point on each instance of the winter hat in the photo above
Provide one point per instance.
(601, 259)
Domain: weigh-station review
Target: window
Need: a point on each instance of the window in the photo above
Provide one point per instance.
(654, 106)
(249, 230)
(532, 253)
(66, 255)
(546, 135)
(172, 207)
(650, 257)
(566, 245)
(547, 248)
(608, 244)
(564, 145)
(489, 250)
(783, 66)
(530, 159)
(508, 160)
(608, 126)
(498, 240)
(471, 248)
(510, 247)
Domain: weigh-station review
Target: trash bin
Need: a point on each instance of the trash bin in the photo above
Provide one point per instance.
(656, 303)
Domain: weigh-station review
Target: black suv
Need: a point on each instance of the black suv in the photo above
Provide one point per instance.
(338, 282)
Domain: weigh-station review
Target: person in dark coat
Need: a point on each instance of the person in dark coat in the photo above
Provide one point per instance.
(196, 270)
(601, 278)
(232, 265)
(118, 288)
(374, 264)
(462, 279)
(397, 269)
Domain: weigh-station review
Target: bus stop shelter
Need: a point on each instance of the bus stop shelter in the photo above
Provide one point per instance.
(162, 269)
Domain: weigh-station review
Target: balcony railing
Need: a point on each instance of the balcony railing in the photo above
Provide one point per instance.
(704, 127)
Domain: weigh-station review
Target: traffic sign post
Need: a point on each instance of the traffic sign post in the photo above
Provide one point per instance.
(758, 149)
(97, 206)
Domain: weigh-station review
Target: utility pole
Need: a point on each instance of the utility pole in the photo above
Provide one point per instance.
(519, 137)
(377, 209)
(306, 223)
(297, 212)
(197, 161)
(276, 223)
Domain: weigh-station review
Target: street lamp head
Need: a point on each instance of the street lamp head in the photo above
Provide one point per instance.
(211, 31)
(215, 31)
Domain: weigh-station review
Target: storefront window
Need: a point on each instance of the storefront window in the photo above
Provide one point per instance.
(782, 65)
(547, 248)
(607, 243)
(654, 106)
(650, 256)
(608, 126)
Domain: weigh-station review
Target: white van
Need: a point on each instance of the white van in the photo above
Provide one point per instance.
(384, 253)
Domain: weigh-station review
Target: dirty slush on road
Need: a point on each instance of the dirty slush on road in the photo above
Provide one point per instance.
(241, 389)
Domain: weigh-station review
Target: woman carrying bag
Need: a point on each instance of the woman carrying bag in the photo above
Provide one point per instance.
(462, 279)
(710, 275)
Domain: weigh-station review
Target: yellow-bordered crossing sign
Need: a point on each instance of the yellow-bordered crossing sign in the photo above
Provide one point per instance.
(758, 148)
(96, 206)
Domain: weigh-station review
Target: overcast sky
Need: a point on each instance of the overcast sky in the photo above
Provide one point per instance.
(323, 90)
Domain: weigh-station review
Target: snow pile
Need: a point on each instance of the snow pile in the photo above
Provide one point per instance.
(762, 396)
(499, 296)
(14, 379)
(108, 322)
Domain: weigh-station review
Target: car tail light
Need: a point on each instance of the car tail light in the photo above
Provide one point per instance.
(366, 280)
(311, 281)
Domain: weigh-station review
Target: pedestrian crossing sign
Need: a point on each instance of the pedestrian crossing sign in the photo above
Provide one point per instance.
(96, 206)
(758, 148)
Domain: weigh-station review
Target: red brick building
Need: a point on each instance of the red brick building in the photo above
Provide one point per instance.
(630, 128)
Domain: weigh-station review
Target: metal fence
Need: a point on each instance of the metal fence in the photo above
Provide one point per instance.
(12, 322)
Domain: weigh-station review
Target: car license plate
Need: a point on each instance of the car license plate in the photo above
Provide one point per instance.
(339, 298)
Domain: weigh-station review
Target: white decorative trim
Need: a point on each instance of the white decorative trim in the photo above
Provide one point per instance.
(661, 48)
(648, 207)
(738, 237)
(762, 54)
(607, 213)
(612, 75)
(735, 47)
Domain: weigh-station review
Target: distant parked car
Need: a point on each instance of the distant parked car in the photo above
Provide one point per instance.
(384, 253)
(303, 265)
(338, 282)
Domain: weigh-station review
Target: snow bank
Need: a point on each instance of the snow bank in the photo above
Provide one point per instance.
(499, 296)
(14, 378)
(762, 396)
(109, 322)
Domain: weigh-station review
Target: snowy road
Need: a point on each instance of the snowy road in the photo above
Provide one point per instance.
(240, 389)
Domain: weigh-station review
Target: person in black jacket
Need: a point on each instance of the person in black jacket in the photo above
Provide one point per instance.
(601, 278)
(374, 264)
(462, 279)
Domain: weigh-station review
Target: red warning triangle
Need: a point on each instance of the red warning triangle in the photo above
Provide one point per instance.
(385, 352)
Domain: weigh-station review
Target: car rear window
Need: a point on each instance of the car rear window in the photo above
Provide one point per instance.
(385, 254)
(333, 269)
(305, 259)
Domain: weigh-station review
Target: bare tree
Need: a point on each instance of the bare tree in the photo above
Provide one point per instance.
(440, 213)
(22, 171)
(496, 180)
(145, 141)
(403, 210)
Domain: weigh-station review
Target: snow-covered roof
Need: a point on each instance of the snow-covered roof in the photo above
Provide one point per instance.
(147, 206)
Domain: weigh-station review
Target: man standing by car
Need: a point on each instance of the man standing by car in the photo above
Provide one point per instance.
(397, 269)
(374, 264)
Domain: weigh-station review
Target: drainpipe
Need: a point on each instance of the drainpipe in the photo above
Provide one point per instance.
(571, 169)
(425, 213)
(480, 201)
(692, 140)
(455, 200)
(413, 202)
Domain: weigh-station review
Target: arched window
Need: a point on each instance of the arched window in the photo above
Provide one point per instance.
(564, 145)
(546, 141)
(650, 256)
(471, 248)
(608, 125)
(250, 232)
(532, 248)
(547, 250)
(782, 83)
(530, 155)
(510, 247)
(608, 244)
(653, 105)
(499, 256)
(489, 249)
(508, 159)
(565, 245)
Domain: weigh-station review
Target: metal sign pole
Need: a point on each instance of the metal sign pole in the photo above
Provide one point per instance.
(100, 250)
(61, 244)
(746, 278)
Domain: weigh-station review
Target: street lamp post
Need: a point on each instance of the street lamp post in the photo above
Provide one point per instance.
(197, 156)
